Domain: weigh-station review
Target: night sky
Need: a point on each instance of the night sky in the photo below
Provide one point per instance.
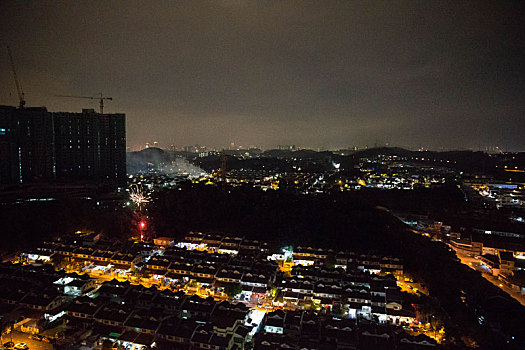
(320, 74)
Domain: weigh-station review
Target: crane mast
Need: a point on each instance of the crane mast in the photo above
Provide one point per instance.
(21, 99)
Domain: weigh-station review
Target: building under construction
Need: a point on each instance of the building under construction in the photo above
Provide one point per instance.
(38, 146)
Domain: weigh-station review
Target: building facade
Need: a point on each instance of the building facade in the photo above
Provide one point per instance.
(41, 146)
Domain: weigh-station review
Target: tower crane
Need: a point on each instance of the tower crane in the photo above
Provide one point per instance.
(101, 99)
(19, 90)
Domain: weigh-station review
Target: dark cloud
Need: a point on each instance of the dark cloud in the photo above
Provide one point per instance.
(315, 74)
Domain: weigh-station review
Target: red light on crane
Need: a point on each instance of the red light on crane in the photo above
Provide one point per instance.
(142, 225)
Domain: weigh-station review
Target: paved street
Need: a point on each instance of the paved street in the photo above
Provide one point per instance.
(19, 337)
(475, 265)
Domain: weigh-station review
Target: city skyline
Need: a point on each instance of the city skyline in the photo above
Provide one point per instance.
(315, 75)
(289, 147)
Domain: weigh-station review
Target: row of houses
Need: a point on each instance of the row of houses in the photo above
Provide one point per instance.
(221, 244)
(358, 295)
(139, 316)
(308, 256)
(307, 330)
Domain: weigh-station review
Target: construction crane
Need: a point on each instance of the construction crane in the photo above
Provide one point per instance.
(19, 90)
(101, 99)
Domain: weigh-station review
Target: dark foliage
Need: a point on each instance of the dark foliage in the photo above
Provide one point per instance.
(28, 224)
(232, 289)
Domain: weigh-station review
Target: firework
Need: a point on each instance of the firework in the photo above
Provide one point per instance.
(138, 196)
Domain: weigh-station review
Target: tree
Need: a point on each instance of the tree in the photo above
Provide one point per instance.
(330, 261)
(108, 344)
(59, 261)
(338, 311)
(232, 289)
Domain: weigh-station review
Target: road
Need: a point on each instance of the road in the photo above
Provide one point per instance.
(475, 264)
(19, 337)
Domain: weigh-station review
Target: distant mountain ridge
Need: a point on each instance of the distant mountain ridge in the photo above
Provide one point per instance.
(279, 160)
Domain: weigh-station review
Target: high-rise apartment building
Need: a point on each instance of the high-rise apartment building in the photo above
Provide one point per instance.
(26, 145)
(90, 145)
(40, 146)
